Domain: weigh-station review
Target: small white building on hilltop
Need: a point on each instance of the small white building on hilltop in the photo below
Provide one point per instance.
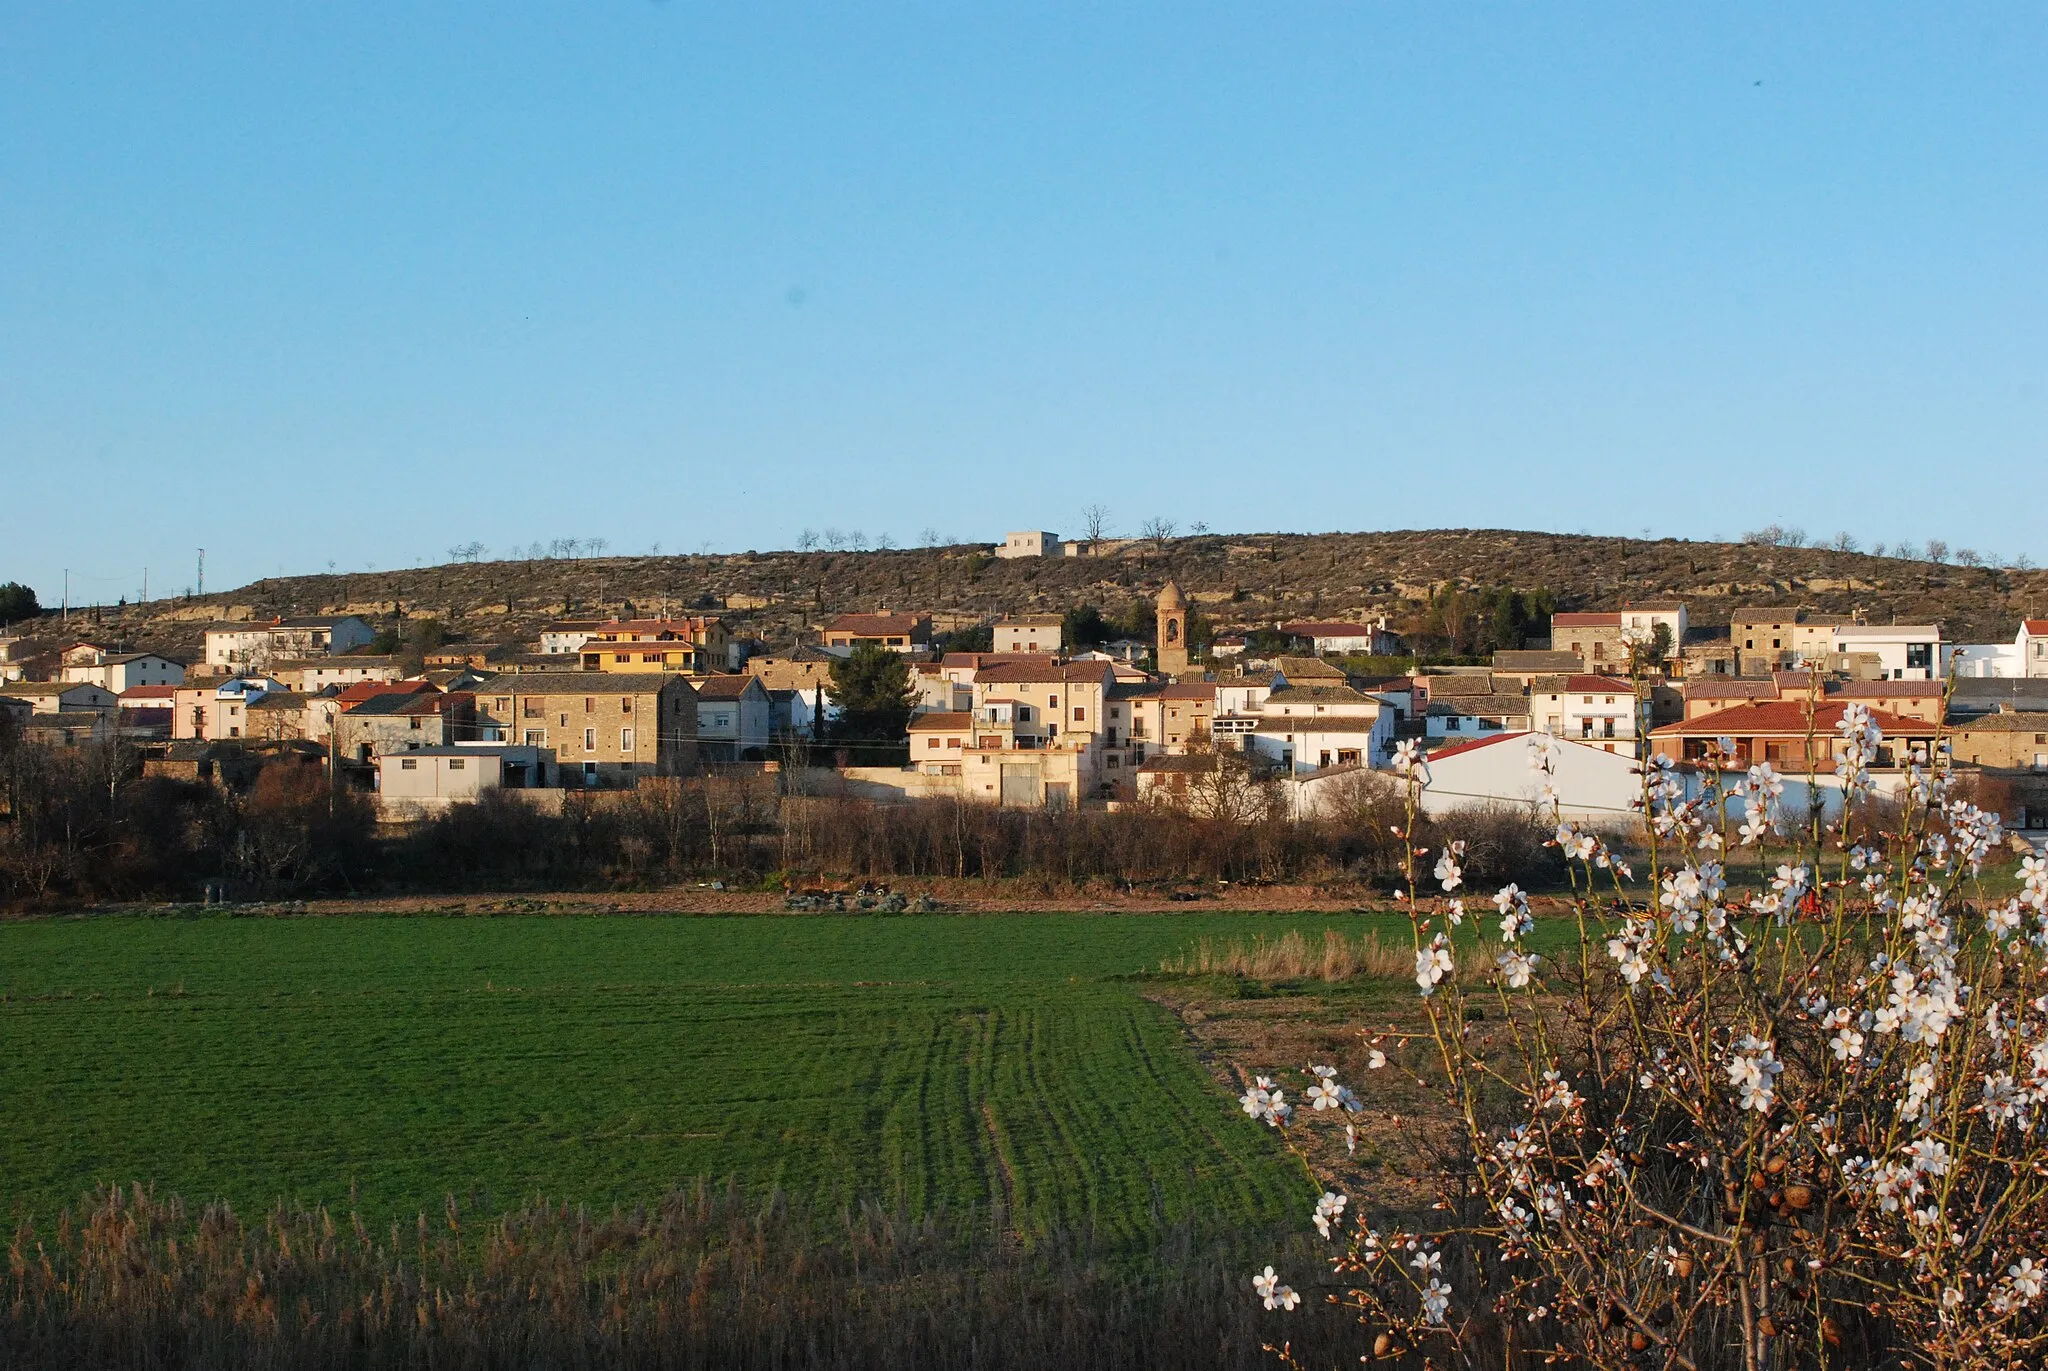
(1034, 542)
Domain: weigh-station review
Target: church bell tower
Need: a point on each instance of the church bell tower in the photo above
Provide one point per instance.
(1172, 609)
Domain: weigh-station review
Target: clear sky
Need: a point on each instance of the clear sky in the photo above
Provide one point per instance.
(357, 283)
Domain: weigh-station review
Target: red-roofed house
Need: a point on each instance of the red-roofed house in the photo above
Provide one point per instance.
(896, 632)
(1786, 733)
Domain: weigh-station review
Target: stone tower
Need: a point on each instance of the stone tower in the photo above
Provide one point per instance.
(1172, 610)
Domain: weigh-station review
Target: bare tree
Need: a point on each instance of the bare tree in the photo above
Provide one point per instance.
(1794, 537)
(1937, 550)
(1198, 528)
(1906, 552)
(596, 546)
(1968, 556)
(807, 541)
(1211, 782)
(1095, 523)
(883, 542)
(2023, 563)
(1877, 549)
(1159, 530)
(1844, 541)
(655, 551)
(857, 540)
(834, 539)
(928, 537)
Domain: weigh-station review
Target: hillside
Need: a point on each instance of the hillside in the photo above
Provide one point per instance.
(1235, 580)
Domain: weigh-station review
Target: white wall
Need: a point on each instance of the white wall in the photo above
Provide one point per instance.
(1594, 786)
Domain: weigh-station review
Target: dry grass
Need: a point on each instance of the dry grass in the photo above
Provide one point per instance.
(1293, 957)
(702, 1279)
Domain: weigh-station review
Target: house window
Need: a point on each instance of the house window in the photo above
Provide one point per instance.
(590, 704)
(565, 721)
(413, 722)
(590, 740)
(650, 656)
(408, 764)
(931, 742)
(457, 763)
(1080, 714)
(503, 705)
(1599, 651)
(625, 704)
(625, 740)
(622, 656)
(952, 742)
(536, 737)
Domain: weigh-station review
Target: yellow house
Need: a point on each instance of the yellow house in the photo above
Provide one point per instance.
(697, 646)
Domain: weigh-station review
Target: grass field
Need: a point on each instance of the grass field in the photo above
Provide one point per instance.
(923, 1061)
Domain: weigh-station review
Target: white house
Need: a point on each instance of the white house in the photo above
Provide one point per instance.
(1328, 636)
(1029, 633)
(1310, 742)
(125, 672)
(1593, 785)
(65, 697)
(2026, 655)
(1602, 710)
(1034, 542)
(566, 637)
(233, 645)
(735, 717)
(316, 674)
(1240, 705)
(1642, 618)
(435, 777)
(1905, 652)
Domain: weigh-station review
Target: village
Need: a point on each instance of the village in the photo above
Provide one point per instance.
(1050, 711)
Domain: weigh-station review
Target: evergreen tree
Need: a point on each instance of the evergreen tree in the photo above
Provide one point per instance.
(871, 686)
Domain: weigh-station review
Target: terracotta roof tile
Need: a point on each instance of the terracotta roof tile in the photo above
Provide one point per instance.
(1787, 717)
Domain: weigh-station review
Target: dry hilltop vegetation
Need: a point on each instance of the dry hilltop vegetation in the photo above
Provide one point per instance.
(1242, 580)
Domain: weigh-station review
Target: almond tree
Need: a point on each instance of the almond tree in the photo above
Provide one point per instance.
(1795, 1125)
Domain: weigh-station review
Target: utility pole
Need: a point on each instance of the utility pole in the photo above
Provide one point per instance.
(67, 597)
(202, 573)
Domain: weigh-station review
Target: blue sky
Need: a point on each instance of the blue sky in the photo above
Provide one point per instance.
(359, 283)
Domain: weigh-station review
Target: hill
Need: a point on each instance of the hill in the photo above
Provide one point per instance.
(1242, 580)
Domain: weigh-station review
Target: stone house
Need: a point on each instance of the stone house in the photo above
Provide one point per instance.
(606, 727)
(2006, 739)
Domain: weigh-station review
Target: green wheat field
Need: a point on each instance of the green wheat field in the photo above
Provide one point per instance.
(382, 1062)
